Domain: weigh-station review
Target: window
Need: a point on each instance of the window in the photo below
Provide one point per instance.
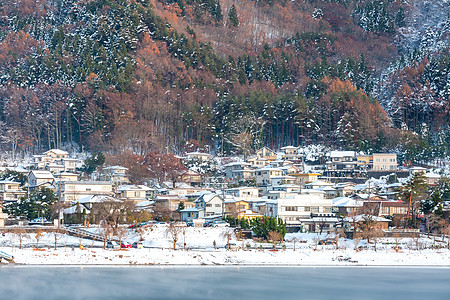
(88, 189)
(291, 208)
(217, 205)
(208, 205)
(307, 208)
(314, 209)
(137, 194)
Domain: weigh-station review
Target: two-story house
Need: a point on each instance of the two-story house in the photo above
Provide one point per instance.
(264, 175)
(10, 191)
(72, 191)
(211, 203)
(137, 193)
(38, 179)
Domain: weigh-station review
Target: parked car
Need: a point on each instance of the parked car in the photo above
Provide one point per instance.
(190, 224)
(125, 245)
(112, 245)
(220, 223)
(137, 245)
(39, 221)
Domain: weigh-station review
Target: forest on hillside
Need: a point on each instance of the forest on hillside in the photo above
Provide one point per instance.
(134, 76)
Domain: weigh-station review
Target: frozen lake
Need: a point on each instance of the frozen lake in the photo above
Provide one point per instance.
(204, 282)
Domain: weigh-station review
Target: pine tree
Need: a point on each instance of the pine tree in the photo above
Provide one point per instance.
(232, 16)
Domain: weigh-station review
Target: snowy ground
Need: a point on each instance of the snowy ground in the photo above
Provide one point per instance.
(200, 251)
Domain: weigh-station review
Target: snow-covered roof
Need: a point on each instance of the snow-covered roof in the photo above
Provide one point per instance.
(133, 188)
(97, 199)
(288, 147)
(57, 151)
(326, 189)
(432, 175)
(237, 163)
(146, 203)
(42, 174)
(346, 202)
(8, 182)
(73, 210)
(190, 209)
(268, 168)
(319, 183)
(360, 218)
(342, 153)
(115, 168)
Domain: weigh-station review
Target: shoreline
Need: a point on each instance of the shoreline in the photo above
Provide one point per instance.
(221, 266)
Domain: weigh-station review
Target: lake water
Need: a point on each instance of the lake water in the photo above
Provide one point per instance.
(47, 282)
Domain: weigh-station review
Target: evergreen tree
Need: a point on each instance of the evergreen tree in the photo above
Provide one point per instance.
(38, 204)
(233, 17)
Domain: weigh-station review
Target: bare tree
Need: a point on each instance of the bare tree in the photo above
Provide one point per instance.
(104, 232)
(113, 211)
(121, 233)
(228, 235)
(57, 235)
(21, 234)
(294, 240)
(275, 237)
(173, 232)
(38, 236)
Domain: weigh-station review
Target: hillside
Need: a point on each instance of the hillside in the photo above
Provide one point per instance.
(151, 75)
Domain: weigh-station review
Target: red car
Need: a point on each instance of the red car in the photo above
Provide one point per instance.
(125, 245)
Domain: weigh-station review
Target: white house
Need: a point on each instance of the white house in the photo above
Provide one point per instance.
(72, 191)
(37, 179)
(137, 193)
(264, 175)
(10, 191)
(307, 210)
(211, 203)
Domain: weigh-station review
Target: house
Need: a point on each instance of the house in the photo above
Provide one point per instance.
(341, 161)
(266, 153)
(281, 180)
(291, 153)
(55, 160)
(384, 162)
(416, 170)
(89, 202)
(344, 188)
(3, 216)
(258, 162)
(357, 222)
(66, 176)
(303, 178)
(317, 184)
(69, 164)
(11, 191)
(115, 174)
(137, 193)
(243, 192)
(264, 175)
(72, 191)
(198, 156)
(55, 154)
(298, 210)
(191, 177)
(346, 206)
(192, 213)
(364, 162)
(432, 178)
(37, 179)
(236, 207)
(211, 203)
(393, 208)
(167, 202)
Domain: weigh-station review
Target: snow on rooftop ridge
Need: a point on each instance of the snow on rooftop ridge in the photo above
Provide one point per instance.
(57, 151)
